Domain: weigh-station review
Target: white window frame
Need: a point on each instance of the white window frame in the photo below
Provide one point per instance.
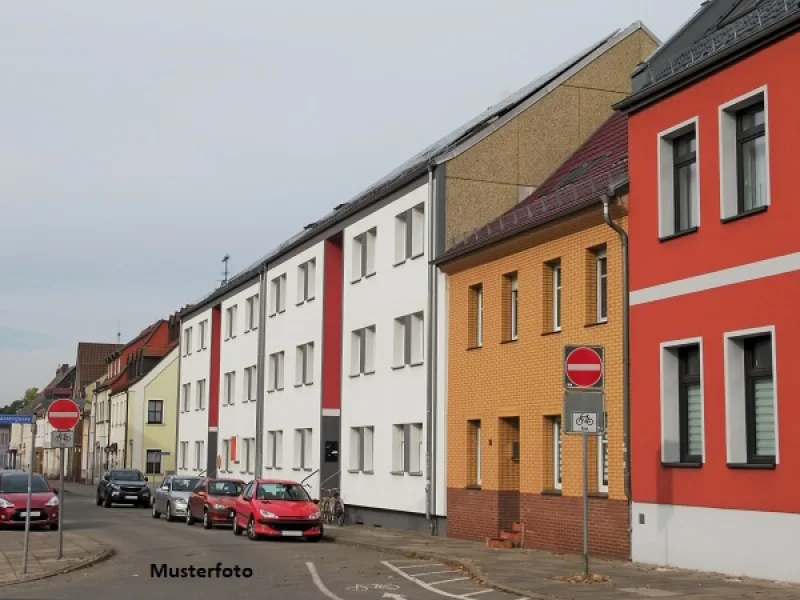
(187, 341)
(735, 420)
(277, 296)
(187, 395)
(478, 291)
(303, 449)
(362, 351)
(666, 174)
(601, 258)
(306, 281)
(416, 449)
(398, 448)
(229, 381)
(251, 383)
(728, 168)
(200, 394)
(274, 454)
(231, 314)
(670, 398)
(201, 341)
(362, 261)
(251, 317)
(304, 365)
(409, 234)
(248, 464)
(275, 376)
(558, 470)
(514, 299)
(409, 340)
(362, 449)
(478, 452)
(184, 454)
(226, 456)
(558, 278)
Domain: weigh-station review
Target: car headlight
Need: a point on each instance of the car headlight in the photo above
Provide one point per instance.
(219, 507)
(267, 515)
(5, 503)
(314, 516)
(180, 501)
(52, 502)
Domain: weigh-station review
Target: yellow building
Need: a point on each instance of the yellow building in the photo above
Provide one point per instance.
(545, 275)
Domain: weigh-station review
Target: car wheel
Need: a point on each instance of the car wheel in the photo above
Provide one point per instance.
(169, 511)
(98, 499)
(54, 527)
(189, 517)
(107, 502)
(251, 530)
(156, 514)
(236, 529)
(206, 520)
(314, 538)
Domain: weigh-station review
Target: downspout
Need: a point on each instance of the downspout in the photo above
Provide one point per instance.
(260, 385)
(125, 448)
(626, 398)
(430, 423)
(178, 459)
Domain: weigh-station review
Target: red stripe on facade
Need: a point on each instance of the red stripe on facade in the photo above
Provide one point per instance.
(333, 283)
(213, 384)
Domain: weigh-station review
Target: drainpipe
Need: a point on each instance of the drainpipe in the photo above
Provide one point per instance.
(176, 447)
(260, 385)
(626, 398)
(430, 425)
(125, 446)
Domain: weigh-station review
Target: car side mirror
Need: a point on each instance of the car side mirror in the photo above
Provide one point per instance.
(146, 479)
(315, 500)
(55, 492)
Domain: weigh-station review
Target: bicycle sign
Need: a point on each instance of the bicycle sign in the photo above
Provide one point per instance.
(365, 587)
(584, 422)
(62, 439)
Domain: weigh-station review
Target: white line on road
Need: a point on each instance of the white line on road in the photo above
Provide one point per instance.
(422, 566)
(318, 582)
(419, 582)
(476, 593)
(448, 581)
(434, 573)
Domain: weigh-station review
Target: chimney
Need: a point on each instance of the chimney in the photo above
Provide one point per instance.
(62, 370)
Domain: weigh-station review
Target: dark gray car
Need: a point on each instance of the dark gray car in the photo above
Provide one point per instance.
(123, 486)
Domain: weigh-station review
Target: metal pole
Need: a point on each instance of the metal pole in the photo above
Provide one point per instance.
(585, 504)
(30, 490)
(61, 509)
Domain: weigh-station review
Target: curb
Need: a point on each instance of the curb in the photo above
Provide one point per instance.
(473, 570)
(103, 556)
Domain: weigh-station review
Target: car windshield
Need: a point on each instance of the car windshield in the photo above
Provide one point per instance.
(127, 475)
(184, 485)
(282, 491)
(224, 488)
(18, 484)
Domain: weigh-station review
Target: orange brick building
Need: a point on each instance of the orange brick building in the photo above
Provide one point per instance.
(546, 274)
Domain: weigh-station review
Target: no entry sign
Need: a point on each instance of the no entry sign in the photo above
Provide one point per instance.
(583, 367)
(63, 414)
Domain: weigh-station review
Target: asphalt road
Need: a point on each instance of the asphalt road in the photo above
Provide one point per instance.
(280, 569)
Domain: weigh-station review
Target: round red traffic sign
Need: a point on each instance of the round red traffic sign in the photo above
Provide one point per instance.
(584, 367)
(63, 414)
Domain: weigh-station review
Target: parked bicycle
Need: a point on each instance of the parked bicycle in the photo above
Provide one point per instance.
(332, 507)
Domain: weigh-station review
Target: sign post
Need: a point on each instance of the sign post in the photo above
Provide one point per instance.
(584, 407)
(63, 416)
(26, 420)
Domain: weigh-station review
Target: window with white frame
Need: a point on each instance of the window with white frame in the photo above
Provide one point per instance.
(231, 314)
(306, 281)
(200, 395)
(184, 454)
(199, 455)
(409, 334)
(751, 398)
(251, 315)
(362, 440)
(274, 458)
(230, 388)
(474, 452)
(303, 449)
(601, 286)
(277, 295)
(186, 396)
(512, 282)
(602, 458)
(304, 365)
(409, 241)
(678, 180)
(557, 471)
(416, 452)
(744, 155)
(363, 258)
(475, 316)
(398, 448)
(201, 341)
(187, 341)
(249, 448)
(555, 270)
(362, 351)
(250, 383)
(682, 402)
(276, 369)
(226, 455)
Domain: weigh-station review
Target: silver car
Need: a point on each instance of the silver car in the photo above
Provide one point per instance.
(171, 497)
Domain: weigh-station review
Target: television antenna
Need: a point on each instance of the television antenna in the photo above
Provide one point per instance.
(225, 260)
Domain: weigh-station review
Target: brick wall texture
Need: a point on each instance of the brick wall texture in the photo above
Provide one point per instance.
(514, 389)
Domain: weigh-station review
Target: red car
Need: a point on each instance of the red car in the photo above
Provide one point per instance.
(277, 508)
(14, 500)
(213, 501)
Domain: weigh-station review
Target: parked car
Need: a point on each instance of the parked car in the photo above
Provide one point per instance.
(277, 508)
(14, 500)
(172, 496)
(213, 501)
(123, 486)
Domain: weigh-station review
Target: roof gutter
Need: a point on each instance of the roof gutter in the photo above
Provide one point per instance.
(260, 362)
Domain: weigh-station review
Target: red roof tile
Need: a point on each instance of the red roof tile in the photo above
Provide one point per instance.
(91, 362)
(601, 162)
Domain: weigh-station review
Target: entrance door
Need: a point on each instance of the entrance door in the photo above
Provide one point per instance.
(509, 456)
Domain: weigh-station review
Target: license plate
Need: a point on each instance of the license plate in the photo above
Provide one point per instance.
(292, 533)
(34, 513)
(131, 497)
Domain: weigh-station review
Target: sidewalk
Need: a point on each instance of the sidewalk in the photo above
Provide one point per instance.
(535, 574)
(79, 552)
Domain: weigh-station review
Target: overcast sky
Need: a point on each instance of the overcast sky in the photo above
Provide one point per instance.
(141, 141)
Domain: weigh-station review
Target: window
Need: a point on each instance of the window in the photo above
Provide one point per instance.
(678, 183)
(362, 351)
(306, 280)
(511, 318)
(187, 393)
(474, 452)
(363, 258)
(199, 458)
(303, 449)
(200, 396)
(226, 455)
(682, 402)
(230, 322)
(398, 449)
(556, 425)
(409, 234)
(362, 441)
(416, 453)
(760, 410)
(555, 270)
(744, 155)
(274, 450)
(251, 317)
(184, 454)
(249, 446)
(475, 317)
(155, 412)
(277, 295)
(602, 459)
(304, 365)
(230, 388)
(275, 378)
(201, 342)
(251, 383)
(153, 466)
(409, 336)
(187, 341)
(601, 269)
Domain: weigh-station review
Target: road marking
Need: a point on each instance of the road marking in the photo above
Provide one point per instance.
(476, 593)
(422, 566)
(448, 580)
(434, 573)
(419, 582)
(318, 582)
